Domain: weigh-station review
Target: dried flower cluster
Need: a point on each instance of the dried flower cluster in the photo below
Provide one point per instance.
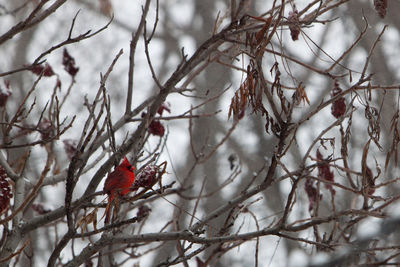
(248, 94)
(294, 25)
(381, 7)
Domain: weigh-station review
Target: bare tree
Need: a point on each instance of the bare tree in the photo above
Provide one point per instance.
(268, 128)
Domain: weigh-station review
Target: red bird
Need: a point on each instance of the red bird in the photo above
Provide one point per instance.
(119, 182)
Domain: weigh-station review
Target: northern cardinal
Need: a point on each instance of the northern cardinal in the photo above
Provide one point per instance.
(119, 182)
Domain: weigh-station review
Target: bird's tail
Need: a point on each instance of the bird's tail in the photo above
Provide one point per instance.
(107, 212)
(112, 205)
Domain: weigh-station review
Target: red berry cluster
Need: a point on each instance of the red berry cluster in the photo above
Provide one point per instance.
(146, 177)
(46, 70)
(164, 106)
(312, 193)
(156, 127)
(5, 93)
(5, 191)
(338, 107)
(69, 63)
(325, 173)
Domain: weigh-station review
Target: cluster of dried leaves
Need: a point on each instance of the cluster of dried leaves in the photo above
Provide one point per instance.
(248, 94)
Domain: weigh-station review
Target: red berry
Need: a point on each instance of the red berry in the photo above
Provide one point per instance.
(156, 128)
